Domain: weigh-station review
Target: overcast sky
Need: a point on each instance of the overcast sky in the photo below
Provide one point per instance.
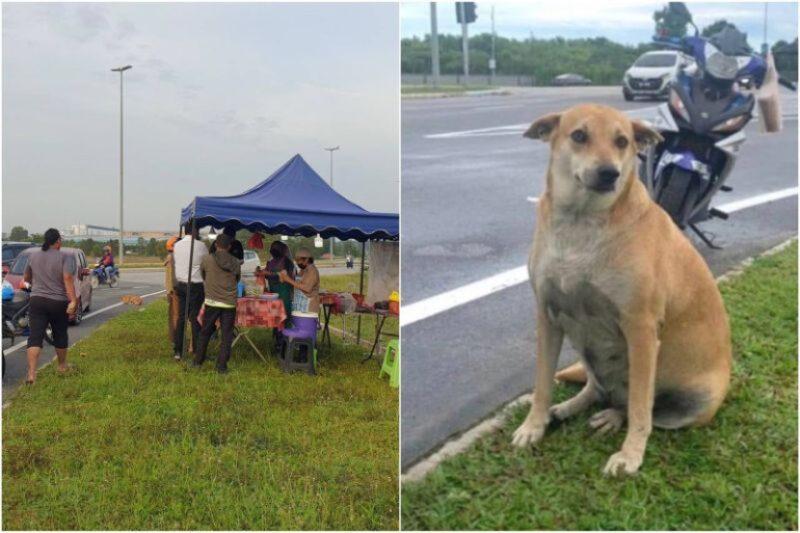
(627, 22)
(220, 95)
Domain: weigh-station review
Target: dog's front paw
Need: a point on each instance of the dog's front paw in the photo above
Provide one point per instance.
(527, 434)
(622, 463)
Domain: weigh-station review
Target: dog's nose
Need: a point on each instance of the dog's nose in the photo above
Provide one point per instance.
(607, 175)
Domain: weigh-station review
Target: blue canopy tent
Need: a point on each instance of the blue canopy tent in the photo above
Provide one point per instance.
(294, 200)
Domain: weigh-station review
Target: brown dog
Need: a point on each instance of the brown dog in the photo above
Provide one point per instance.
(613, 273)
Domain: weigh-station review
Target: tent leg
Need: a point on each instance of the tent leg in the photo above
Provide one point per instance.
(188, 294)
(361, 291)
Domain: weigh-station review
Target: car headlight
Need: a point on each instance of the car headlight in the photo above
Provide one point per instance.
(676, 104)
(732, 124)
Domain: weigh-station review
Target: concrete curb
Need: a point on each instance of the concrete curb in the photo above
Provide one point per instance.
(419, 470)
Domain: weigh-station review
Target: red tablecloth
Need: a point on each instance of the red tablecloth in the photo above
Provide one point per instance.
(255, 313)
(258, 313)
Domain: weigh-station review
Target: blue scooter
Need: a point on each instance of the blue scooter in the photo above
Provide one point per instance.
(702, 125)
(99, 276)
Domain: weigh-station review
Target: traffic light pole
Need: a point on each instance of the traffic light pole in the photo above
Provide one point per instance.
(434, 47)
(464, 42)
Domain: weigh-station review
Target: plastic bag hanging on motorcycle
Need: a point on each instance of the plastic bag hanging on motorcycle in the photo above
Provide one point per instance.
(768, 99)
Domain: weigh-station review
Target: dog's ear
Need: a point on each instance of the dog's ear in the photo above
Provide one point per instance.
(542, 128)
(645, 135)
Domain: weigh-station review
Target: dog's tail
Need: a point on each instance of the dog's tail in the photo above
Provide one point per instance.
(574, 373)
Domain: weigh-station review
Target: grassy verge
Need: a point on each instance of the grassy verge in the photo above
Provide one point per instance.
(131, 440)
(739, 473)
(449, 89)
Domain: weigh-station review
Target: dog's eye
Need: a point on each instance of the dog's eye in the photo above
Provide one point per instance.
(579, 136)
(621, 142)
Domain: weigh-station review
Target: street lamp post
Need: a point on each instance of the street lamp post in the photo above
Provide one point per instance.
(121, 231)
(331, 150)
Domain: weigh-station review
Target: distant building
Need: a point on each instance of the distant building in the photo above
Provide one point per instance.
(81, 232)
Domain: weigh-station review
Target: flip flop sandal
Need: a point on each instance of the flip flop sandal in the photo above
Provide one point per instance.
(69, 369)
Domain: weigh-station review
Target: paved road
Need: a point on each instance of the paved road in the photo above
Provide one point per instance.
(466, 217)
(131, 282)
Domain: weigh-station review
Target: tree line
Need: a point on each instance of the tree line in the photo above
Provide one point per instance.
(601, 60)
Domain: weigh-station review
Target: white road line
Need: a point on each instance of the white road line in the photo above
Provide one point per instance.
(513, 129)
(533, 199)
(757, 200)
(90, 315)
(519, 129)
(473, 291)
(476, 290)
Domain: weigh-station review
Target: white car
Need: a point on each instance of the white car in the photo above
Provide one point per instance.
(651, 73)
(251, 262)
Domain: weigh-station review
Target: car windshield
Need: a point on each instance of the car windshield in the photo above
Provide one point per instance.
(19, 265)
(656, 60)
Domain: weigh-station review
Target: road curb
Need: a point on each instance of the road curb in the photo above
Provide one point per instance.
(487, 92)
(456, 445)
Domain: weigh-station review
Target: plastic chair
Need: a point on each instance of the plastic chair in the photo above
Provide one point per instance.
(302, 334)
(391, 363)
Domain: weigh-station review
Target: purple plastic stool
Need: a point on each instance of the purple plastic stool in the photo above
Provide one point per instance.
(302, 333)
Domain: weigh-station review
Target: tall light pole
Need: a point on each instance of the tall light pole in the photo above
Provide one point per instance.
(331, 150)
(121, 167)
(434, 47)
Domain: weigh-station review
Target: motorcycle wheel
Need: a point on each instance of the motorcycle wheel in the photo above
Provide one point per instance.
(48, 336)
(95, 281)
(113, 281)
(675, 194)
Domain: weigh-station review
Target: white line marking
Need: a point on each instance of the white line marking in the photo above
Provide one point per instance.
(482, 132)
(468, 293)
(476, 290)
(518, 129)
(757, 200)
(533, 199)
(90, 315)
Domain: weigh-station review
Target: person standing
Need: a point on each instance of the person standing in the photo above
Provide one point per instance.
(221, 272)
(307, 287)
(281, 262)
(53, 300)
(191, 283)
(236, 250)
(169, 285)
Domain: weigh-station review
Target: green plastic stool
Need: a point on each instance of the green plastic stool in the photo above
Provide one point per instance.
(391, 363)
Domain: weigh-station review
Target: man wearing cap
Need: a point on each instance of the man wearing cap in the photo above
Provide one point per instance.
(307, 293)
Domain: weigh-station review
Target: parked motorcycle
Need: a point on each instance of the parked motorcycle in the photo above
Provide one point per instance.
(99, 276)
(15, 323)
(702, 125)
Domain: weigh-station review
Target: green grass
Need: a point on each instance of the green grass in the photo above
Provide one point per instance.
(429, 89)
(739, 473)
(131, 440)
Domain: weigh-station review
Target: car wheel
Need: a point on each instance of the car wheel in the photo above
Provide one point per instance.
(78, 314)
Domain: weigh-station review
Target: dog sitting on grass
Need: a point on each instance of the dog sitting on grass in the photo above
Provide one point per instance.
(616, 276)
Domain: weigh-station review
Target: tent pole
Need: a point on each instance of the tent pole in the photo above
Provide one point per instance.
(188, 293)
(361, 291)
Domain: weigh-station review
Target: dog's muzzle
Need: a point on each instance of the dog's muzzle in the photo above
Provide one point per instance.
(604, 180)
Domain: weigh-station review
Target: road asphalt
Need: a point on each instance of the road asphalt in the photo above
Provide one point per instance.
(467, 174)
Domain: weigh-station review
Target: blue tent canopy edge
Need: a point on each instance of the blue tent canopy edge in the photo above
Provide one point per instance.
(294, 200)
